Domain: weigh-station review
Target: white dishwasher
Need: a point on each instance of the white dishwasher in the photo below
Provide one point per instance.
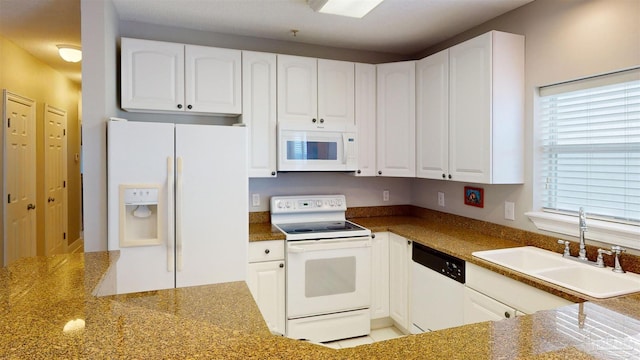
(437, 293)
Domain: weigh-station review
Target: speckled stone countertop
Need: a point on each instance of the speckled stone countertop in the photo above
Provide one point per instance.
(39, 296)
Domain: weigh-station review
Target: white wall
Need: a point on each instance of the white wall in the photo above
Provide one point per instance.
(359, 191)
(99, 31)
(564, 40)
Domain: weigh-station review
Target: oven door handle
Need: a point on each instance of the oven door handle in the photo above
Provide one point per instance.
(328, 245)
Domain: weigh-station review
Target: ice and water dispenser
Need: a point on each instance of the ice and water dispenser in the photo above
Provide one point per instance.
(139, 219)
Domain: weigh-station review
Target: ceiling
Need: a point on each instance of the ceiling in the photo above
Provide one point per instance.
(395, 26)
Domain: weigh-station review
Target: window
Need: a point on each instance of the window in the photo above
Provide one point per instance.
(590, 146)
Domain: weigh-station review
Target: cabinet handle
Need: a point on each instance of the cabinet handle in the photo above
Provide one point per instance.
(507, 314)
(179, 106)
(31, 207)
(281, 265)
(189, 107)
(313, 120)
(321, 121)
(379, 172)
(267, 251)
(359, 171)
(444, 176)
(373, 236)
(450, 176)
(273, 173)
(408, 242)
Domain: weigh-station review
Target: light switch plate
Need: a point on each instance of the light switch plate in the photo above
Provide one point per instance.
(440, 199)
(255, 199)
(509, 210)
(385, 195)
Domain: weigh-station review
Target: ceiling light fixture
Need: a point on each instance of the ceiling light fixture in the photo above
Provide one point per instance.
(351, 8)
(70, 53)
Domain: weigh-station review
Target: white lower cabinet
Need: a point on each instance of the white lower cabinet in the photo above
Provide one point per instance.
(266, 281)
(400, 281)
(491, 296)
(379, 275)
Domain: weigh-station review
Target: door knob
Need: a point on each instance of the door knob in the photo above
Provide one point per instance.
(31, 207)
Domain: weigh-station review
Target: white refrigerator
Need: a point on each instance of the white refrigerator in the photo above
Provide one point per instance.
(177, 204)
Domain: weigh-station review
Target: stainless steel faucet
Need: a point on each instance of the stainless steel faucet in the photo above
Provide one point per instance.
(582, 223)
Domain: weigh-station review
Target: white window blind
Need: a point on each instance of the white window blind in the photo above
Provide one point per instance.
(590, 133)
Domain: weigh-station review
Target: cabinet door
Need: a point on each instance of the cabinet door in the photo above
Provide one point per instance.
(211, 175)
(396, 121)
(152, 75)
(297, 89)
(432, 116)
(365, 94)
(380, 275)
(470, 110)
(399, 280)
(266, 283)
(259, 111)
(479, 307)
(336, 94)
(213, 80)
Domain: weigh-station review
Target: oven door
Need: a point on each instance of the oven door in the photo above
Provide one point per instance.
(328, 276)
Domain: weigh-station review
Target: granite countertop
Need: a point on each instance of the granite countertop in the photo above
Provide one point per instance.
(38, 296)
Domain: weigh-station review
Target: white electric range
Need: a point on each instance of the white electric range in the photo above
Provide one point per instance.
(328, 268)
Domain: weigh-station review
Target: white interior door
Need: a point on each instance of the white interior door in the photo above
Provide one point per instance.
(20, 176)
(55, 194)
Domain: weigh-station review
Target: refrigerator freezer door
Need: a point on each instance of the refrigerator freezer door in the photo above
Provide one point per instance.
(138, 153)
(212, 208)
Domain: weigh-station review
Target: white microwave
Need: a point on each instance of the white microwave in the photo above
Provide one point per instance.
(317, 147)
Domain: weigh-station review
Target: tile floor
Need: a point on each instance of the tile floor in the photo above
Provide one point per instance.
(375, 335)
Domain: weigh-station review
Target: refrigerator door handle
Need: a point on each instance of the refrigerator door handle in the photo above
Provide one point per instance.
(170, 232)
(179, 213)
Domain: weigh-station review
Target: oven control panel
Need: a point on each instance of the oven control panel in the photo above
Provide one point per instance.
(311, 203)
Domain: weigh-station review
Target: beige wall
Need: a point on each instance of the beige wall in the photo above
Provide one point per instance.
(565, 39)
(23, 74)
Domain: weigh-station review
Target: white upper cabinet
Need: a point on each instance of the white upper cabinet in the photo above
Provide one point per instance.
(365, 91)
(396, 111)
(486, 109)
(315, 91)
(152, 75)
(161, 76)
(213, 80)
(432, 116)
(259, 111)
(336, 91)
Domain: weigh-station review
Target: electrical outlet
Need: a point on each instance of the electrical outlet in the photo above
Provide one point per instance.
(509, 210)
(255, 199)
(440, 199)
(385, 195)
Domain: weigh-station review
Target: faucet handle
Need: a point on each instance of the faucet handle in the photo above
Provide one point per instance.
(566, 252)
(600, 259)
(617, 250)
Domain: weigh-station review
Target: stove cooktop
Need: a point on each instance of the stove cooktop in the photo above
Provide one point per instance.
(314, 230)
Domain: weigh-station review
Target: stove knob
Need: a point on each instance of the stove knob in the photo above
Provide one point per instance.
(288, 204)
(280, 204)
(319, 203)
(339, 202)
(333, 202)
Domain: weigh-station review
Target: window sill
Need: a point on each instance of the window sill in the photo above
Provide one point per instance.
(612, 233)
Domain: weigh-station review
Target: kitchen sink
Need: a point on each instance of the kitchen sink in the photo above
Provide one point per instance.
(523, 259)
(552, 267)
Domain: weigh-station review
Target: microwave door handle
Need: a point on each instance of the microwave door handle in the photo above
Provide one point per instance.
(345, 148)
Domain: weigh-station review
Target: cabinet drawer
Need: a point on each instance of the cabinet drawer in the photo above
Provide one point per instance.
(266, 250)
